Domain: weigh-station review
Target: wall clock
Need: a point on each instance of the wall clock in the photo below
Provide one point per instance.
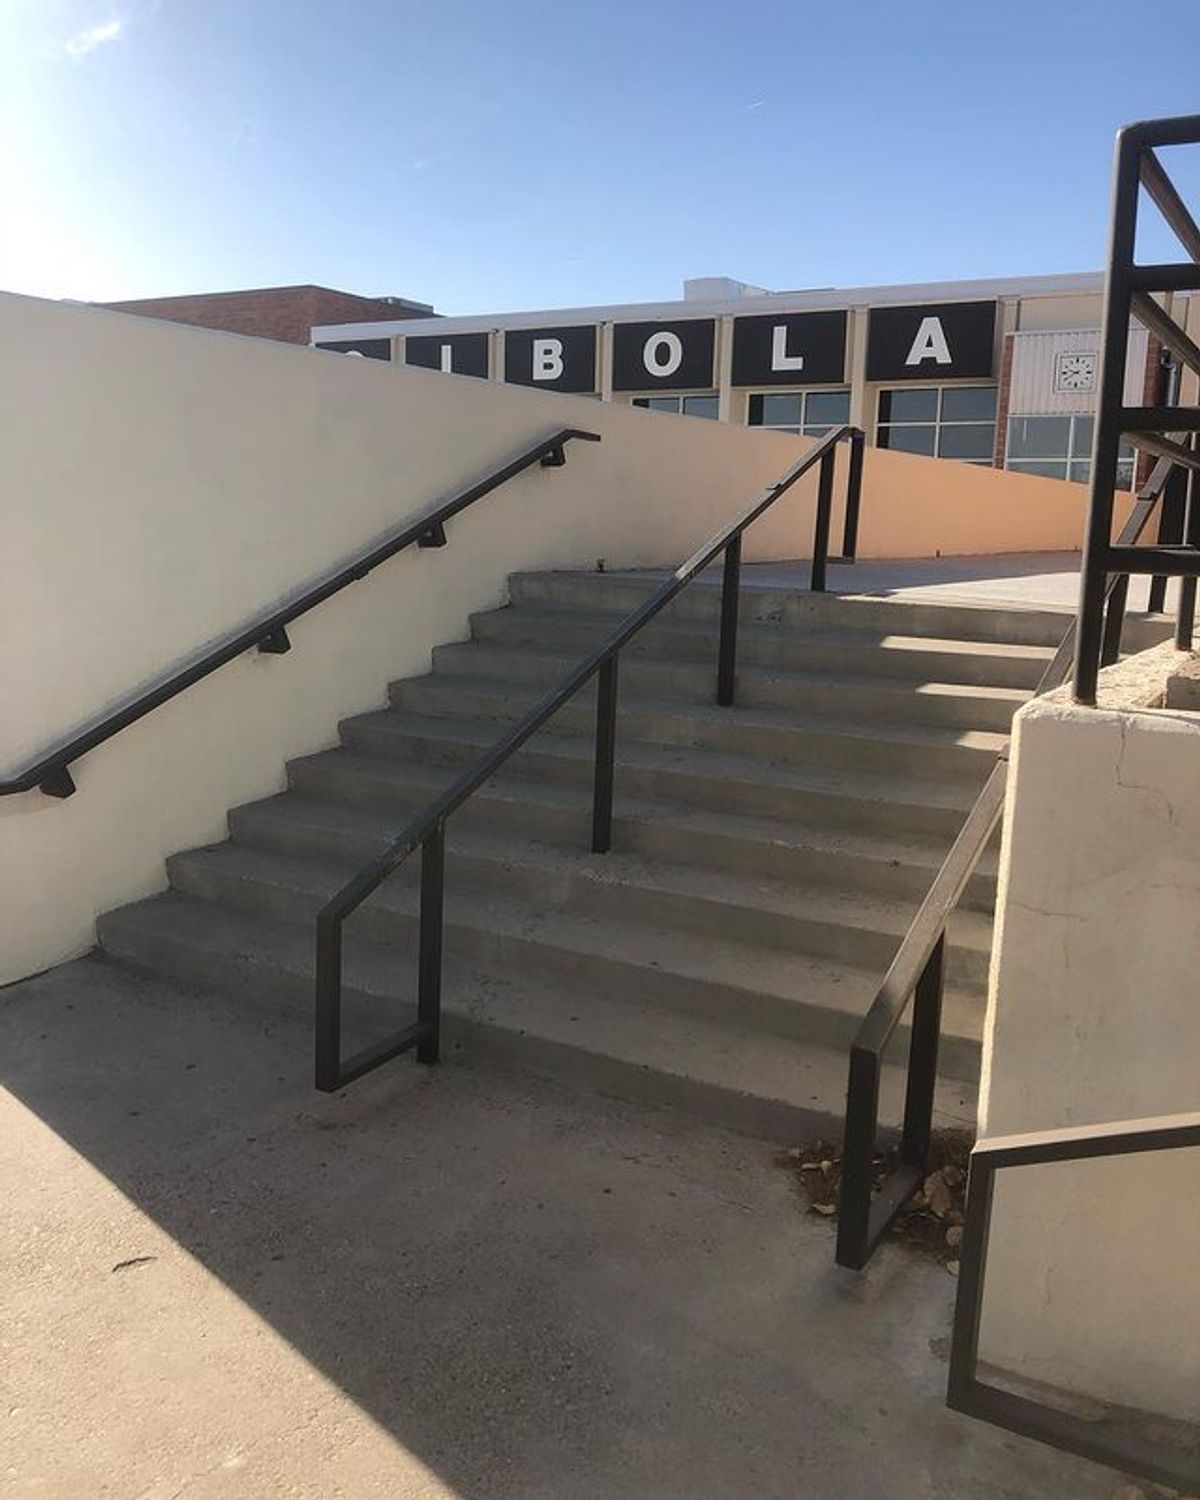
(1074, 372)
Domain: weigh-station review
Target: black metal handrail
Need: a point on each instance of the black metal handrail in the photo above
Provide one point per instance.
(915, 976)
(50, 772)
(1114, 1444)
(428, 829)
(1168, 430)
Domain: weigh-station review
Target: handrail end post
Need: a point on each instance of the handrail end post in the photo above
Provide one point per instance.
(820, 555)
(328, 1003)
(429, 960)
(606, 738)
(730, 600)
(858, 1153)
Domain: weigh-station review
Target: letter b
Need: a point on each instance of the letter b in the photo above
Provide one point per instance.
(547, 359)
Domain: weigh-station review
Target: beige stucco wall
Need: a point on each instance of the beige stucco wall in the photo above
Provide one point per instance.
(164, 484)
(1093, 1017)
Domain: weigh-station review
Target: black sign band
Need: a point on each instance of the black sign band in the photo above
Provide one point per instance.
(934, 341)
(664, 356)
(454, 353)
(554, 359)
(790, 349)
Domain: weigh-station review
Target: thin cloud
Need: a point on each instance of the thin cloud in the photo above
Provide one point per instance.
(92, 37)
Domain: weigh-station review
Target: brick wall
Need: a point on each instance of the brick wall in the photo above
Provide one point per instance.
(286, 313)
(1153, 392)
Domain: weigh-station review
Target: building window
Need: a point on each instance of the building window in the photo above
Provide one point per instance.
(685, 406)
(811, 413)
(1060, 448)
(939, 421)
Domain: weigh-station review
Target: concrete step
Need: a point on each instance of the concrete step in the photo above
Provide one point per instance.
(721, 842)
(764, 1084)
(782, 992)
(682, 774)
(622, 591)
(821, 695)
(793, 736)
(822, 921)
(841, 653)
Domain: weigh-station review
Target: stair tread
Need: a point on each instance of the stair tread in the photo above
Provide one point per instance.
(825, 903)
(864, 637)
(479, 652)
(430, 780)
(847, 782)
(756, 716)
(699, 1049)
(701, 958)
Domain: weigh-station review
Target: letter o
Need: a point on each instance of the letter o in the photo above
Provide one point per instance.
(662, 354)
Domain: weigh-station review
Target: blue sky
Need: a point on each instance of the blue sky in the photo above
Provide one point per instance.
(490, 155)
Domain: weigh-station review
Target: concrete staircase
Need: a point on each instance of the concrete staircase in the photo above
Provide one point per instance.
(766, 859)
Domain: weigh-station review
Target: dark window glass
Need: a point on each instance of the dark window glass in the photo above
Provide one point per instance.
(700, 406)
(972, 440)
(830, 407)
(1081, 472)
(908, 439)
(1081, 443)
(908, 406)
(969, 404)
(774, 411)
(1039, 437)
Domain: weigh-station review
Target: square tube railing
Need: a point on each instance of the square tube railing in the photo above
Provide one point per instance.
(1117, 1445)
(1166, 430)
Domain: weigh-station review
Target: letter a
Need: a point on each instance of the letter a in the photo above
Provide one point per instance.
(547, 359)
(930, 343)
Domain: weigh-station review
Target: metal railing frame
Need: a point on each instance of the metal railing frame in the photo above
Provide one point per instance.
(427, 830)
(966, 1392)
(1169, 430)
(915, 977)
(50, 773)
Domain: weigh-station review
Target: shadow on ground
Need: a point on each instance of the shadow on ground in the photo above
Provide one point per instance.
(531, 1294)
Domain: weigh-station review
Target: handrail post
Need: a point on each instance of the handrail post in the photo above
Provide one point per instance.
(824, 515)
(606, 738)
(858, 441)
(1114, 621)
(1171, 525)
(727, 656)
(1114, 343)
(1190, 532)
(858, 1160)
(328, 1020)
(429, 960)
(923, 1059)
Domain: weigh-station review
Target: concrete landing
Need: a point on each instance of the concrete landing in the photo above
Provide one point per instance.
(1032, 580)
(453, 1282)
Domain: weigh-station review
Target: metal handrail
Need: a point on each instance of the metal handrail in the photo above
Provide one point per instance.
(50, 772)
(1147, 1456)
(1128, 293)
(915, 976)
(427, 829)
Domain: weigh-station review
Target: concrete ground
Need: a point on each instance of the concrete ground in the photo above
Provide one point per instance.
(448, 1282)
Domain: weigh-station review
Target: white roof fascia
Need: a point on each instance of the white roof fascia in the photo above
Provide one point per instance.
(1077, 284)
